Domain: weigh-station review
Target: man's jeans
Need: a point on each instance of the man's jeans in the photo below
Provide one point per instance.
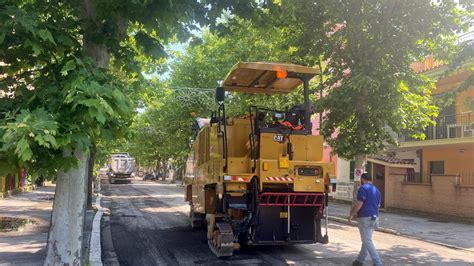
(366, 229)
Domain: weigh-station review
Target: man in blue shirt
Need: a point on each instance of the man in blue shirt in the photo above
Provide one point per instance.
(367, 211)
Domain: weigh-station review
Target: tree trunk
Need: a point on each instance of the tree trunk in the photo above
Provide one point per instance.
(180, 173)
(165, 171)
(360, 161)
(100, 56)
(157, 167)
(90, 175)
(93, 28)
(67, 219)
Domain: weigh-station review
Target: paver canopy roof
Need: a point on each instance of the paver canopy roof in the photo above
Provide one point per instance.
(261, 77)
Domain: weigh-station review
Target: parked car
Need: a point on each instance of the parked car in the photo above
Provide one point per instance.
(149, 176)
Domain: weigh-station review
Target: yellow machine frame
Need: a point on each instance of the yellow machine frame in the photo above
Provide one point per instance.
(255, 184)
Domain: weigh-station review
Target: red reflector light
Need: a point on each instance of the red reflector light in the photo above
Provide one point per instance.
(237, 178)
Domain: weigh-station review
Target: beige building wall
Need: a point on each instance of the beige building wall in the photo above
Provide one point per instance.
(442, 197)
(344, 186)
(343, 170)
(457, 158)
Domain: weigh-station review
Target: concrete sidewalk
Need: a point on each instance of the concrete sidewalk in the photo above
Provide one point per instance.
(444, 232)
(28, 246)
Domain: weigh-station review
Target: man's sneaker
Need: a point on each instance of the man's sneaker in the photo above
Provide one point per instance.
(357, 263)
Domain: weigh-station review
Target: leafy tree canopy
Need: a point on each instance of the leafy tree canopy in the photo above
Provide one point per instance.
(71, 70)
(190, 87)
(368, 47)
(364, 49)
(57, 98)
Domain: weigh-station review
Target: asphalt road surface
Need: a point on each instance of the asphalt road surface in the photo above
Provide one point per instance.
(149, 225)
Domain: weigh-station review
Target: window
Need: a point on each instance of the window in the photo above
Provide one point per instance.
(437, 167)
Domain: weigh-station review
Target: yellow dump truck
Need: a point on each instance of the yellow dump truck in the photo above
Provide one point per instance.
(259, 179)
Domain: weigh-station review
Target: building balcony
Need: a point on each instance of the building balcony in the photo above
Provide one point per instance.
(466, 37)
(448, 128)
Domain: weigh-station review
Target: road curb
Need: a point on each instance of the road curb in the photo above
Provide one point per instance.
(354, 223)
(95, 253)
(394, 232)
(439, 243)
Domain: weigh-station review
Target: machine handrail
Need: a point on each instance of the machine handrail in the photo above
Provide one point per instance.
(252, 138)
(225, 138)
(222, 120)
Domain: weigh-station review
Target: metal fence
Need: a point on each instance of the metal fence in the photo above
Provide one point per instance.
(465, 179)
(417, 178)
(462, 179)
(447, 127)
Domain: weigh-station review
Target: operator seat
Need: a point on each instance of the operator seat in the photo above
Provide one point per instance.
(295, 117)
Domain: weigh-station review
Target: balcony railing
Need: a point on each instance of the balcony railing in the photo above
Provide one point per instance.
(447, 127)
(465, 37)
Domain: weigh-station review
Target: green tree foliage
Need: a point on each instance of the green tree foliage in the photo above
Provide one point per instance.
(68, 67)
(368, 46)
(57, 98)
(190, 87)
(205, 65)
(54, 58)
(160, 132)
(364, 49)
(463, 60)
